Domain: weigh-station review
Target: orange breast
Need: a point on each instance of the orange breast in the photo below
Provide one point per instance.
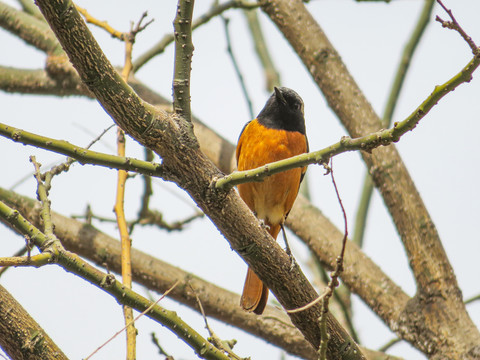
(272, 199)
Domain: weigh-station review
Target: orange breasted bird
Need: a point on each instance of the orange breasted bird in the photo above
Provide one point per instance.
(277, 133)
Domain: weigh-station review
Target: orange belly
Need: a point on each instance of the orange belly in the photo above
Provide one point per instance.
(271, 199)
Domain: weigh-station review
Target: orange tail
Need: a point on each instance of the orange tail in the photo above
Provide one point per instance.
(255, 293)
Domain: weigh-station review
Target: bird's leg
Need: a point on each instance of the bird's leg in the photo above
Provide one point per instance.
(287, 248)
(263, 224)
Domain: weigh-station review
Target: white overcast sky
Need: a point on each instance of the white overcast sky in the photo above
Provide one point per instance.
(441, 154)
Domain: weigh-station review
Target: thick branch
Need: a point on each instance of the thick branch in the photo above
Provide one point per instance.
(434, 275)
(408, 51)
(74, 264)
(182, 27)
(170, 137)
(20, 335)
(27, 27)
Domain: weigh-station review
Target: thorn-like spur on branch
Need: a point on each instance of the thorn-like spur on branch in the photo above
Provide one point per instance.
(454, 25)
(365, 143)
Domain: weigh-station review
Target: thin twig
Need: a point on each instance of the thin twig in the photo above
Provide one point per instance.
(133, 321)
(159, 347)
(126, 245)
(81, 154)
(333, 283)
(167, 39)
(272, 77)
(307, 306)
(101, 24)
(454, 25)
(43, 187)
(389, 344)
(472, 299)
(35, 260)
(119, 204)
(236, 67)
(226, 346)
(19, 253)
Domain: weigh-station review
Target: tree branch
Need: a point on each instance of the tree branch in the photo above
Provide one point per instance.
(82, 155)
(436, 282)
(275, 327)
(182, 27)
(29, 28)
(171, 138)
(408, 51)
(166, 40)
(21, 337)
(366, 143)
(74, 264)
(159, 276)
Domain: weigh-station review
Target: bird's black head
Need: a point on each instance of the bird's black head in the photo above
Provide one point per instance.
(283, 110)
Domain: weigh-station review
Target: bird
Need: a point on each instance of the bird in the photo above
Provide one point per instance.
(277, 133)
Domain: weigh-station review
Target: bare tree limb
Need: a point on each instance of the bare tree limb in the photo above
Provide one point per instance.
(86, 241)
(437, 288)
(171, 138)
(408, 51)
(74, 264)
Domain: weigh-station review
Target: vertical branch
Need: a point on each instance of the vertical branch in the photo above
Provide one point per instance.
(126, 243)
(182, 27)
(126, 247)
(408, 51)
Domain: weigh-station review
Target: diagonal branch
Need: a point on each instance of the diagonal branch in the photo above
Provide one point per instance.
(74, 264)
(408, 51)
(82, 155)
(365, 143)
(219, 303)
(28, 28)
(434, 275)
(21, 337)
(171, 138)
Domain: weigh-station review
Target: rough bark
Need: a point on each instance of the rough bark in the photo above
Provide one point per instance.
(416, 320)
(186, 165)
(20, 336)
(438, 304)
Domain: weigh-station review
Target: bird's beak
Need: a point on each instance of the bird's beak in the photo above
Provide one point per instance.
(279, 96)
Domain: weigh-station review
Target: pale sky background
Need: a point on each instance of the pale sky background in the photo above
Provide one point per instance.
(441, 155)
